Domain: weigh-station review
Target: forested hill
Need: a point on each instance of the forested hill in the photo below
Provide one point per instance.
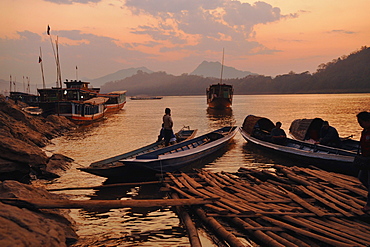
(347, 74)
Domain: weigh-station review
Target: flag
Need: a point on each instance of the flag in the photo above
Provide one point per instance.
(48, 31)
(40, 60)
(76, 67)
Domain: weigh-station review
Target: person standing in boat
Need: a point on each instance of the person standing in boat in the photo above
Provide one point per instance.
(167, 126)
(363, 119)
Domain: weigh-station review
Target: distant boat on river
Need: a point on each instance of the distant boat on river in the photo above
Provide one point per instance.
(220, 96)
(80, 103)
(145, 97)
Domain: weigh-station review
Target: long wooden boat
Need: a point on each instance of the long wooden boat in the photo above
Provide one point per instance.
(83, 112)
(145, 97)
(112, 167)
(116, 101)
(194, 151)
(309, 130)
(177, 156)
(256, 130)
(79, 102)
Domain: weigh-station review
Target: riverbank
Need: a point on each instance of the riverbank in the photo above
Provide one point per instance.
(22, 159)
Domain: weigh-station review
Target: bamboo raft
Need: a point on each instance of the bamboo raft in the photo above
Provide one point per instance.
(290, 206)
(281, 206)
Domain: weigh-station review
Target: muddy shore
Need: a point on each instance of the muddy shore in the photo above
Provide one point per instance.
(22, 160)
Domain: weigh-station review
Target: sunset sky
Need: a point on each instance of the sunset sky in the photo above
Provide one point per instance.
(100, 37)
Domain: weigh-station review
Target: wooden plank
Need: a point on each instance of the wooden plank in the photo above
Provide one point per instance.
(304, 204)
(230, 238)
(324, 201)
(106, 186)
(42, 203)
(189, 224)
(307, 233)
(191, 181)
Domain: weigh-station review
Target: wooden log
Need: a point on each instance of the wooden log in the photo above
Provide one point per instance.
(214, 181)
(191, 181)
(354, 227)
(175, 180)
(106, 186)
(260, 213)
(230, 238)
(189, 224)
(216, 209)
(342, 230)
(42, 203)
(294, 240)
(258, 233)
(207, 180)
(320, 229)
(304, 204)
(324, 201)
(179, 191)
(307, 233)
(344, 205)
(271, 234)
(353, 201)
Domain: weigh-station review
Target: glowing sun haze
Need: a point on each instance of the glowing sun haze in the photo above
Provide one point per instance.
(268, 37)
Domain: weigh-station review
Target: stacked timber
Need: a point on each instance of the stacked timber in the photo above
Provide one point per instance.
(284, 206)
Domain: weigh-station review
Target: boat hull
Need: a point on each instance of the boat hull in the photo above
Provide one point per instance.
(305, 154)
(178, 160)
(157, 161)
(112, 168)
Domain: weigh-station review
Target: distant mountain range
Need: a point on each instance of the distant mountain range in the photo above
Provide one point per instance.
(205, 69)
(343, 75)
(213, 69)
(347, 74)
(119, 75)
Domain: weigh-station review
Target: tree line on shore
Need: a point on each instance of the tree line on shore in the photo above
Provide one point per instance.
(346, 74)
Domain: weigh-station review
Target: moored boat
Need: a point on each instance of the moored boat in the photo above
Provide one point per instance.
(256, 130)
(193, 151)
(112, 168)
(116, 101)
(308, 130)
(79, 102)
(220, 96)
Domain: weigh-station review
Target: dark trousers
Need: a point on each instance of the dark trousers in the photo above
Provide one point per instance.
(167, 136)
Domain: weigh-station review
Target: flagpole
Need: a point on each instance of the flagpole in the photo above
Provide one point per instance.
(10, 84)
(76, 73)
(55, 56)
(58, 63)
(42, 69)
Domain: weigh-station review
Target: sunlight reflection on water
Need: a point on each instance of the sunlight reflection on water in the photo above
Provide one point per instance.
(138, 124)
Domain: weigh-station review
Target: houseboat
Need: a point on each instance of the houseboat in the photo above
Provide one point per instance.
(220, 96)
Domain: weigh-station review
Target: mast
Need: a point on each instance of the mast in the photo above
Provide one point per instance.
(222, 64)
(42, 69)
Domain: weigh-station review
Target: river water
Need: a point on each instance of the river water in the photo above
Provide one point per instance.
(139, 123)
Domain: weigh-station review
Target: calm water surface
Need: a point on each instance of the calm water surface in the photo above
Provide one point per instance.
(138, 124)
